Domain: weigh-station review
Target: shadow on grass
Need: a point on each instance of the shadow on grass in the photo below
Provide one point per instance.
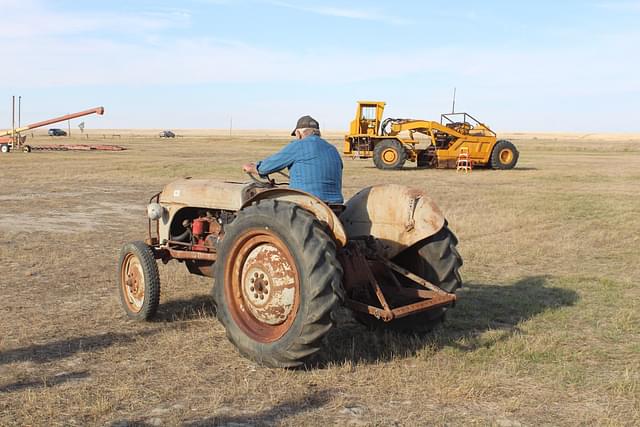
(55, 350)
(272, 416)
(45, 382)
(480, 308)
(200, 306)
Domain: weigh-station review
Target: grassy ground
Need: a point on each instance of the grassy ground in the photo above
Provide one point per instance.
(546, 331)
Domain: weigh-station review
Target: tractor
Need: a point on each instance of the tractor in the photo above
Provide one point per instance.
(282, 261)
(391, 142)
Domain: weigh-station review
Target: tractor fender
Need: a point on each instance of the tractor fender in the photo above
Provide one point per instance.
(395, 215)
(309, 202)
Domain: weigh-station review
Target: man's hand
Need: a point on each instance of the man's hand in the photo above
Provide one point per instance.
(250, 168)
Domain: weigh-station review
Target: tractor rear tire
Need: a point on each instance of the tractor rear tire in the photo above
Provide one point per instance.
(435, 259)
(277, 282)
(504, 155)
(4, 148)
(139, 281)
(389, 154)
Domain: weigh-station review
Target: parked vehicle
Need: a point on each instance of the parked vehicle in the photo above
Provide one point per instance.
(167, 134)
(391, 142)
(57, 132)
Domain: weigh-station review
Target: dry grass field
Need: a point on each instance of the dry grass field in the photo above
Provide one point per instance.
(546, 331)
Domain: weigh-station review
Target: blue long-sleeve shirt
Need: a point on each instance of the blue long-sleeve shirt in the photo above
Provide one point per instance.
(314, 166)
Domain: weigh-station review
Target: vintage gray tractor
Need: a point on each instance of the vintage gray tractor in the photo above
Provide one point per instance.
(282, 261)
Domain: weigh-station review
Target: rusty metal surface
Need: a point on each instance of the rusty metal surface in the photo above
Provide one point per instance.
(365, 273)
(201, 268)
(378, 291)
(410, 292)
(309, 202)
(358, 275)
(179, 254)
(369, 309)
(429, 304)
(412, 276)
(132, 282)
(262, 285)
(200, 193)
(268, 284)
(205, 193)
(396, 215)
(436, 301)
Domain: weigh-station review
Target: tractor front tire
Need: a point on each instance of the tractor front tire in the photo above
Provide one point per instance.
(277, 282)
(4, 148)
(139, 281)
(389, 154)
(504, 155)
(436, 260)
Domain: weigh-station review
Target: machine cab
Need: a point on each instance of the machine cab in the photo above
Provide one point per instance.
(368, 118)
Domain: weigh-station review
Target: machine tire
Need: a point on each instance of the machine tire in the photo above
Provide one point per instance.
(139, 300)
(389, 154)
(288, 328)
(4, 148)
(504, 155)
(26, 149)
(435, 259)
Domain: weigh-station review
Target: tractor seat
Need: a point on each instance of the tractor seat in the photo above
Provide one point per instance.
(337, 208)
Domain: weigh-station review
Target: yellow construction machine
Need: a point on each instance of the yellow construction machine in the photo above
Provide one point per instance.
(391, 142)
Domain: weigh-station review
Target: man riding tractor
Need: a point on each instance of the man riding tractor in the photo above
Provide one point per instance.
(315, 166)
(284, 258)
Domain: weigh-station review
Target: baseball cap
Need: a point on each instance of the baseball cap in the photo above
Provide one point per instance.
(307, 122)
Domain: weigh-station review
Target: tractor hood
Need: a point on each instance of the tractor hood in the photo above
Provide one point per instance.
(397, 216)
(206, 193)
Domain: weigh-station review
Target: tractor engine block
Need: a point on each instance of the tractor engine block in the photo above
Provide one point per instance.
(200, 230)
(204, 233)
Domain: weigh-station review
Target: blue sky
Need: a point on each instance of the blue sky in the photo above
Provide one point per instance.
(519, 66)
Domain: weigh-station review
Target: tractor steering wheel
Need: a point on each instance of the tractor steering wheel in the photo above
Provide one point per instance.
(266, 183)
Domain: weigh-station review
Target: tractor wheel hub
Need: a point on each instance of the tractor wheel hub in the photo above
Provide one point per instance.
(268, 284)
(133, 283)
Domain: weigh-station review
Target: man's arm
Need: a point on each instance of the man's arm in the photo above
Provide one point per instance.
(278, 161)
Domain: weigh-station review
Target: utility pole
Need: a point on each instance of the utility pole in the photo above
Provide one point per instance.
(69, 128)
(13, 118)
(453, 107)
(18, 142)
(230, 126)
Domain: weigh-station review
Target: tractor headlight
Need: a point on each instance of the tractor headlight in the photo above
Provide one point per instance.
(154, 211)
